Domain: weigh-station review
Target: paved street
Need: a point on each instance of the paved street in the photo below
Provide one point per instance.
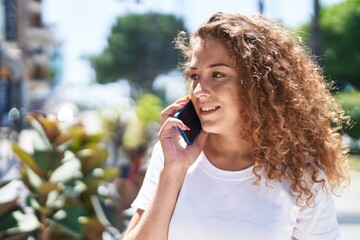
(348, 210)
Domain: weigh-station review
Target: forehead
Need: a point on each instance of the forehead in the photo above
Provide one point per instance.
(210, 51)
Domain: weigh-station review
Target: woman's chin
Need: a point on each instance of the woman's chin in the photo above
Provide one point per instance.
(208, 128)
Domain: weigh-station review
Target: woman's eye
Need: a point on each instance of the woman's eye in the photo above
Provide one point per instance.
(218, 75)
(194, 77)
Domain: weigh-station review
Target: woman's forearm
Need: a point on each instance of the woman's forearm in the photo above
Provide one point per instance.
(154, 222)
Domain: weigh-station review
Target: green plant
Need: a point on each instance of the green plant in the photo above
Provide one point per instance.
(350, 101)
(354, 162)
(138, 49)
(63, 175)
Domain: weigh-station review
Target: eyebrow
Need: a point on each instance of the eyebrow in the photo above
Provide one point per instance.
(214, 65)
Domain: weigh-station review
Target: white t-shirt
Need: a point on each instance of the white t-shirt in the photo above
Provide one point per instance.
(214, 204)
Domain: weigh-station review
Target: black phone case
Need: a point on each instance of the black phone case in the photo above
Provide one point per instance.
(189, 117)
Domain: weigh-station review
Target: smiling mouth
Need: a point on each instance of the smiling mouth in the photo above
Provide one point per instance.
(209, 109)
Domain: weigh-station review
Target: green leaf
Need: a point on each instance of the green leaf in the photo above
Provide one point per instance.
(68, 219)
(8, 221)
(10, 191)
(26, 159)
(77, 138)
(47, 160)
(17, 222)
(55, 200)
(9, 194)
(49, 123)
(99, 210)
(92, 156)
(63, 139)
(92, 185)
(40, 139)
(79, 187)
(67, 171)
(27, 221)
(50, 126)
(95, 137)
(34, 180)
(33, 202)
(47, 187)
(109, 174)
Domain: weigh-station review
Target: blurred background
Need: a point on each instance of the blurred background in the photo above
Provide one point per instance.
(110, 66)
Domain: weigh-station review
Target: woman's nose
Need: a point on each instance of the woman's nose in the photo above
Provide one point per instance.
(201, 89)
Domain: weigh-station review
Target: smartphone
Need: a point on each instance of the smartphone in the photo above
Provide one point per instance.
(188, 116)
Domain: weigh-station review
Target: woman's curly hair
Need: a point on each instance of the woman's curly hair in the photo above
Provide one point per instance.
(289, 113)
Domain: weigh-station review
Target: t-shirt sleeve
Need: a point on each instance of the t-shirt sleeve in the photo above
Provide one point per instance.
(148, 187)
(318, 222)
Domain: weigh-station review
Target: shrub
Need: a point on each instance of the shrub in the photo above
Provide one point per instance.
(350, 101)
(62, 176)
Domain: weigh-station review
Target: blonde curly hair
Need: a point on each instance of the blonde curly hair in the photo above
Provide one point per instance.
(289, 113)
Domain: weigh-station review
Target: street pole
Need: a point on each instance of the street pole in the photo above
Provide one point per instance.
(261, 6)
(315, 36)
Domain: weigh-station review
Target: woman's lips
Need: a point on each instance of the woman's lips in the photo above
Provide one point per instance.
(208, 110)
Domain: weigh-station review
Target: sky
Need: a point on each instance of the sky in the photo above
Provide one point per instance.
(82, 26)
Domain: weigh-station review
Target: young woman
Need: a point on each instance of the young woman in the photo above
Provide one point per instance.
(269, 156)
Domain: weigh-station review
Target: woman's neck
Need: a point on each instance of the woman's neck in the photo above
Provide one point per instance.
(229, 153)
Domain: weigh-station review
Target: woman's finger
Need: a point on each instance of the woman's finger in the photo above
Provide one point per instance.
(169, 124)
(173, 108)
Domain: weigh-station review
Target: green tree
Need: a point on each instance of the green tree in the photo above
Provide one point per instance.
(339, 26)
(139, 48)
(350, 101)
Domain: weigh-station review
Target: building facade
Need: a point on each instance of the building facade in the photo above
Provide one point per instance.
(26, 49)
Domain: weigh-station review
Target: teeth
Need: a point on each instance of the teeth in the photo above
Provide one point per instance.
(208, 109)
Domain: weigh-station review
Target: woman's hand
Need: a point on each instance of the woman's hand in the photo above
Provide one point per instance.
(153, 223)
(178, 155)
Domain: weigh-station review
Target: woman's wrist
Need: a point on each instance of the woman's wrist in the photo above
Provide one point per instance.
(172, 177)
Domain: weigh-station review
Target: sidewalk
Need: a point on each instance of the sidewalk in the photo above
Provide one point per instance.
(348, 210)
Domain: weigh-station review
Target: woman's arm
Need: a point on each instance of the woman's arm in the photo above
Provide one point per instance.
(154, 222)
